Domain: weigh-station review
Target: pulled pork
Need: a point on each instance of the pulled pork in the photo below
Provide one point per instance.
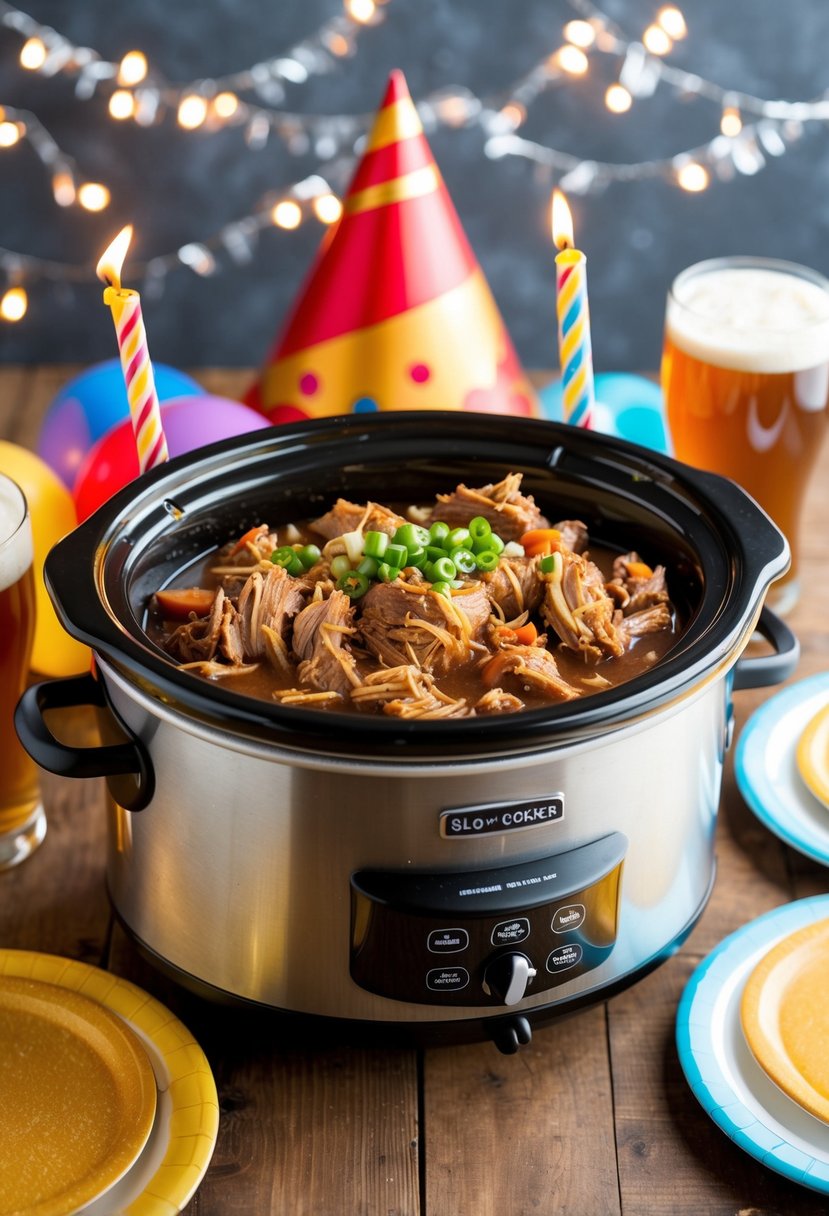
(514, 587)
(407, 692)
(532, 667)
(509, 512)
(407, 624)
(577, 606)
(320, 640)
(350, 517)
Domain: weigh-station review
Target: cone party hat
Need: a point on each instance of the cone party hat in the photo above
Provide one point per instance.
(395, 313)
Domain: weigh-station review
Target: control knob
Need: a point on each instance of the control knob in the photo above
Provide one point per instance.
(507, 978)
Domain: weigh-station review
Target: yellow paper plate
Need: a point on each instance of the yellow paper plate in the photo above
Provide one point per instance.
(785, 1016)
(166, 1172)
(813, 755)
(78, 1098)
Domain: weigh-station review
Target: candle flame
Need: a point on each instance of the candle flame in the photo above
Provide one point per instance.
(562, 222)
(109, 267)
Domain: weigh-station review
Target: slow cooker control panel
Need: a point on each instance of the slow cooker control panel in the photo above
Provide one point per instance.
(486, 937)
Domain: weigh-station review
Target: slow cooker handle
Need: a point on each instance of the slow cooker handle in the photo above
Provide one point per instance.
(765, 669)
(126, 765)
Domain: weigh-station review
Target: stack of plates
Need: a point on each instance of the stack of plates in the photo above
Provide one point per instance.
(753, 1039)
(782, 765)
(109, 1104)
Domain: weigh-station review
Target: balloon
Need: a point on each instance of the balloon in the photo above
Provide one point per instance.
(189, 423)
(52, 514)
(627, 407)
(90, 405)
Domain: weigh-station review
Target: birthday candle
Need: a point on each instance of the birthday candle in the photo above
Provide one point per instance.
(575, 353)
(135, 356)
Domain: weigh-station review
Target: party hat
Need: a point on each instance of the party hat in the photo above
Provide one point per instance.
(395, 313)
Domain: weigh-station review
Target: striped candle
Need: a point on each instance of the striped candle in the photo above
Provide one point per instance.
(575, 352)
(125, 306)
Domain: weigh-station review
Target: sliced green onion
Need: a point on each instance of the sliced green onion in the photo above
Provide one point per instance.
(395, 556)
(412, 536)
(435, 552)
(549, 564)
(387, 573)
(487, 561)
(464, 560)
(442, 571)
(480, 528)
(495, 543)
(439, 531)
(288, 559)
(309, 555)
(442, 588)
(368, 566)
(354, 584)
(375, 544)
(340, 565)
(416, 558)
(456, 538)
(353, 542)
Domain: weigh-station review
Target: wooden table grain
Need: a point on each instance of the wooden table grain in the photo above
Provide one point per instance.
(594, 1118)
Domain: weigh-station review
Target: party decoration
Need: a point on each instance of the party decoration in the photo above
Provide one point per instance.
(91, 404)
(125, 306)
(52, 514)
(574, 347)
(396, 313)
(189, 423)
(626, 406)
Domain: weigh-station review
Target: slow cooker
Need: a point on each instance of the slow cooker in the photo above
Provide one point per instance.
(436, 881)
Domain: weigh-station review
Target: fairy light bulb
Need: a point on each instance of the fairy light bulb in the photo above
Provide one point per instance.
(14, 304)
(514, 114)
(672, 22)
(225, 105)
(656, 40)
(287, 214)
(360, 11)
(63, 189)
(327, 208)
(693, 177)
(132, 68)
(617, 99)
(572, 60)
(93, 196)
(730, 123)
(9, 134)
(121, 105)
(33, 54)
(580, 33)
(192, 111)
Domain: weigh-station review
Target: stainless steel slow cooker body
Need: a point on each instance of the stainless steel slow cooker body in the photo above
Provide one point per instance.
(459, 878)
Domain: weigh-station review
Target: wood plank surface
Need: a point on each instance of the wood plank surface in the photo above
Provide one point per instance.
(594, 1118)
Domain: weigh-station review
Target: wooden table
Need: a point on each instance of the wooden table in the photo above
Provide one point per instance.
(594, 1118)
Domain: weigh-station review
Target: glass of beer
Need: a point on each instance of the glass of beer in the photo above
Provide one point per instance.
(22, 820)
(745, 374)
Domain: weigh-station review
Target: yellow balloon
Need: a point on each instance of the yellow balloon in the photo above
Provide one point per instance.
(52, 512)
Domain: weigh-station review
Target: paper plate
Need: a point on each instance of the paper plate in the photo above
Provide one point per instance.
(721, 1069)
(765, 765)
(78, 1098)
(785, 1016)
(165, 1173)
(812, 755)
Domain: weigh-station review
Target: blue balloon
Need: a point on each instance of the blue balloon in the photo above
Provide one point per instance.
(627, 407)
(90, 405)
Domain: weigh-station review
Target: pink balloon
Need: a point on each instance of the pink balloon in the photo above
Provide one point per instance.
(189, 423)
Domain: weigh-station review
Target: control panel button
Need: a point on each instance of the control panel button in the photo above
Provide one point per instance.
(565, 919)
(447, 979)
(564, 957)
(447, 941)
(507, 978)
(508, 932)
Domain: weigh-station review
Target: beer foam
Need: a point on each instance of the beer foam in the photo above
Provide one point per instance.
(16, 551)
(750, 320)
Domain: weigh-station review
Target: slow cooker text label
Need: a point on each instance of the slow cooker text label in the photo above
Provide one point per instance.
(468, 821)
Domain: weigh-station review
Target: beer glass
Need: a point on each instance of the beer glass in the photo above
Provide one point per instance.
(745, 374)
(22, 821)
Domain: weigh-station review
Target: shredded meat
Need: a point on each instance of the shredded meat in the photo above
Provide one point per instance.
(636, 586)
(406, 624)
(198, 639)
(350, 517)
(531, 667)
(509, 512)
(514, 587)
(579, 609)
(269, 602)
(230, 635)
(496, 701)
(212, 669)
(408, 692)
(321, 633)
(573, 534)
(637, 624)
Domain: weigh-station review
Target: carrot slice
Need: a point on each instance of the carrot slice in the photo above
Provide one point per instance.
(178, 605)
(525, 635)
(251, 534)
(639, 570)
(540, 536)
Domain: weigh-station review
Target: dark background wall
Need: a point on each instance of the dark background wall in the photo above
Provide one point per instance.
(179, 187)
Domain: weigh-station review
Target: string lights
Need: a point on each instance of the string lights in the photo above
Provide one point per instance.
(750, 129)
